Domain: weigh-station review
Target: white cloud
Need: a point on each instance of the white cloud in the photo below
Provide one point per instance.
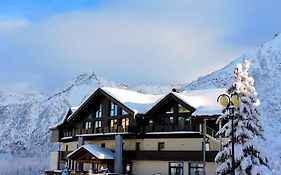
(7, 25)
(132, 48)
(20, 87)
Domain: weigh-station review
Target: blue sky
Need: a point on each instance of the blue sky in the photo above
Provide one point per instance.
(45, 43)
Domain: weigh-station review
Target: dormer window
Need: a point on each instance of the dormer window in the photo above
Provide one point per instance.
(99, 111)
(113, 109)
(183, 109)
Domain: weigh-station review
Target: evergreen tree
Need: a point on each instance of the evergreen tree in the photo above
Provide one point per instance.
(250, 158)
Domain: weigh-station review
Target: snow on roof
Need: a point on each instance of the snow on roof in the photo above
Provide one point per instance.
(138, 102)
(204, 101)
(98, 152)
(74, 108)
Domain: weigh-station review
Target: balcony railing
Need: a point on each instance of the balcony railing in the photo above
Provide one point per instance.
(101, 130)
(211, 132)
(172, 128)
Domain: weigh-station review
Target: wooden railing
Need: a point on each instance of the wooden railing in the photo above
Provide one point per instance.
(170, 128)
(101, 130)
(211, 132)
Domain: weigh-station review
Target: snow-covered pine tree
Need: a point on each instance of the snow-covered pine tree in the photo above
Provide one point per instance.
(250, 158)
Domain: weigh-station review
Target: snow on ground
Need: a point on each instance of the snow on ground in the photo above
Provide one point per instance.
(22, 166)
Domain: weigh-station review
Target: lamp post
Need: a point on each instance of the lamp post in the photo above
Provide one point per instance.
(230, 104)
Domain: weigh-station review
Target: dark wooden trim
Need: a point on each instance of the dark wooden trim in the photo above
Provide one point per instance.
(170, 155)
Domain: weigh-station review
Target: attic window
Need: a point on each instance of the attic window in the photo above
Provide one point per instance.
(113, 109)
(183, 109)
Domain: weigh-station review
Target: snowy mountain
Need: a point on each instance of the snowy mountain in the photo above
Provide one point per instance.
(25, 119)
(266, 70)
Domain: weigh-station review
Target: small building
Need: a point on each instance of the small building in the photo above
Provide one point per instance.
(128, 132)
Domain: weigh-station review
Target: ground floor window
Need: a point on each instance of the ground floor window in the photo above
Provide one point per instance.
(196, 168)
(128, 168)
(175, 168)
(161, 146)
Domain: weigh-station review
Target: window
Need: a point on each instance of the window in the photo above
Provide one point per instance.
(161, 146)
(128, 168)
(175, 168)
(171, 121)
(67, 134)
(137, 146)
(169, 111)
(183, 109)
(188, 121)
(207, 146)
(97, 124)
(123, 112)
(113, 109)
(66, 147)
(196, 168)
(99, 111)
(125, 123)
(102, 145)
(87, 125)
(181, 122)
(113, 124)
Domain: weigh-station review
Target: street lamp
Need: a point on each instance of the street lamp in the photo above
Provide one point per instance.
(230, 103)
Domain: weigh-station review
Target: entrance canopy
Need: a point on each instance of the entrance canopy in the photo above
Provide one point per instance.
(91, 152)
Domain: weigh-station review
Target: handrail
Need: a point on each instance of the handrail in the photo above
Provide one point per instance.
(211, 132)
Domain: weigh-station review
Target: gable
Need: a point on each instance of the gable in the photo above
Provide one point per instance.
(170, 101)
(91, 105)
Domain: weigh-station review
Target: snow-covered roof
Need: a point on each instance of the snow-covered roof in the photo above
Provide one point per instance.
(138, 102)
(74, 108)
(98, 152)
(204, 101)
